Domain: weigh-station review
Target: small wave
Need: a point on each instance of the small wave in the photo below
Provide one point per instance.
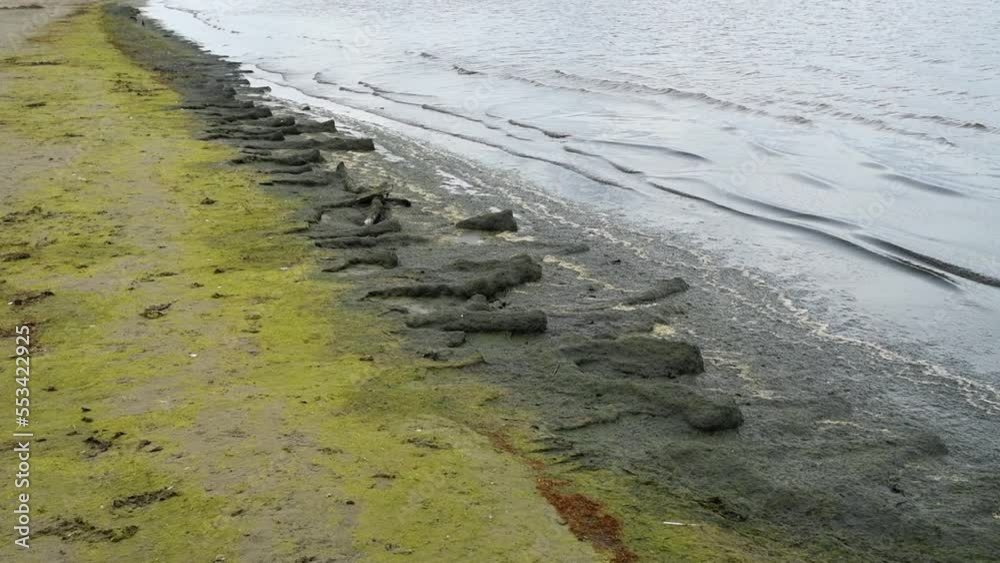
(873, 165)
(457, 68)
(645, 89)
(942, 265)
(319, 78)
(887, 259)
(542, 84)
(770, 151)
(658, 148)
(639, 88)
(921, 185)
(792, 213)
(263, 67)
(321, 39)
(513, 136)
(437, 109)
(381, 90)
(472, 139)
(454, 113)
(812, 180)
(619, 167)
(882, 125)
(546, 132)
(198, 15)
(942, 120)
(396, 100)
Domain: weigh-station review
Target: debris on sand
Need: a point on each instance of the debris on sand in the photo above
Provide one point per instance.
(145, 499)
(155, 311)
(97, 445)
(518, 322)
(375, 212)
(79, 529)
(661, 290)
(366, 201)
(641, 356)
(441, 362)
(501, 221)
(29, 298)
(496, 276)
(15, 256)
(429, 443)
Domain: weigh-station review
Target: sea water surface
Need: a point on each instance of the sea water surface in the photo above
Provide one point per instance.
(850, 149)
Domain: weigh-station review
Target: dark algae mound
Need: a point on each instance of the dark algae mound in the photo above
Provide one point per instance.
(712, 417)
(639, 356)
(660, 290)
(491, 279)
(492, 222)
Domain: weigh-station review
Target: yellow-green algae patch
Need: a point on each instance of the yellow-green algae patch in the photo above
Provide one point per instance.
(248, 397)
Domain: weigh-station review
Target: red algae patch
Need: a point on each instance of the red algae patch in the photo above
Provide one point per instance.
(587, 520)
(586, 517)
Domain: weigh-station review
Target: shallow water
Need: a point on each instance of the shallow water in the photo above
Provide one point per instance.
(846, 148)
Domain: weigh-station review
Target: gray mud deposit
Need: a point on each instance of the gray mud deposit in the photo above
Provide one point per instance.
(642, 356)
(704, 390)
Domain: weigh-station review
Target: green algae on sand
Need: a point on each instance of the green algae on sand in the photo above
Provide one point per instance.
(251, 406)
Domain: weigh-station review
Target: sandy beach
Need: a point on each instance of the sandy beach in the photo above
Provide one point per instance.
(256, 337)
